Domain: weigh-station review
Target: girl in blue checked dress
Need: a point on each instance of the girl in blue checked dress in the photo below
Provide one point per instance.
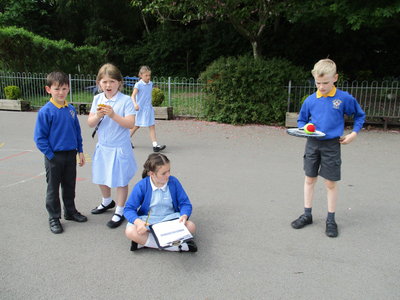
(141, 97)
(113, 114)
(164, 197)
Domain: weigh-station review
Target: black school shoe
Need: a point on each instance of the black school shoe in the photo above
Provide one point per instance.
(134, 246)
(331, 229)
(158, 148)
(302, 221)
(55, 226)
(113, 224)
(191, 245)
(77, 217)
(97, 211)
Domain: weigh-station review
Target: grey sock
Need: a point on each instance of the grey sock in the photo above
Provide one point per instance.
(331, 217)
(307, 211)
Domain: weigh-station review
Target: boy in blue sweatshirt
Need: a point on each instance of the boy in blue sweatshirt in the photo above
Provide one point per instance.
(58, 136)
(326, 109)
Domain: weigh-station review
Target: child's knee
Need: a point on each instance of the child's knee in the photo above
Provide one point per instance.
(130, 231)
(330, 184)
(191, 226)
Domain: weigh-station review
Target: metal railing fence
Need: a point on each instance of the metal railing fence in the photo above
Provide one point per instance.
(183, 94)
(186, 95)
(377, 99)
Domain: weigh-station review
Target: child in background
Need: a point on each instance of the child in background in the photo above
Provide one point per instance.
(58, 136)
(141, 97)
(114, 164)
(326, 109)
(162, 195)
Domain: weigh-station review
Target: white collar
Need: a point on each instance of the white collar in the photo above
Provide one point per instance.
(113, 99)
(145, 82)
(153, 187)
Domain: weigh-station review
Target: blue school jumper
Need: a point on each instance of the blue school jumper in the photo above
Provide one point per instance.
(140, 200)
(58, 136)
(327, 113)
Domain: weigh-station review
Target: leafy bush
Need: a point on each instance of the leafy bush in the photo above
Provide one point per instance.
(12, 92)
(157, 97)
(245, 90)
(45, 55)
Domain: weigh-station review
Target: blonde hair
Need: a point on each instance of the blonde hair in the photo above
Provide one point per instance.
(111, 71)
(144, 69)
(324, 67)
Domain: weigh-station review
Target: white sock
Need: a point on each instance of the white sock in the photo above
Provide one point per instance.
(155, 144)
(184, 247)
(105, 202)
(151, 242)
(120, 211)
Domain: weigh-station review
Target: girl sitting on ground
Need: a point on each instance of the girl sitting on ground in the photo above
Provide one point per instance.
(162, 195)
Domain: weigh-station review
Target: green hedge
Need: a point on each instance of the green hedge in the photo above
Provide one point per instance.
(245, 90)
(23, 51)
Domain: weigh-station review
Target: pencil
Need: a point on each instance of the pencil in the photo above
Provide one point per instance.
(148, 216)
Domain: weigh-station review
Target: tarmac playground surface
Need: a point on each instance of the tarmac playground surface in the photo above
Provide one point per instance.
(246, 186)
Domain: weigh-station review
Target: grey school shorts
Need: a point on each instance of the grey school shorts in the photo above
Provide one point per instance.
(322, 157)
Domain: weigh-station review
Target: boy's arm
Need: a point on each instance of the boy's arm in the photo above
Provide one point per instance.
(359, 118)
(304, 115)
(41, 135)
(81, 158)
(78, 134)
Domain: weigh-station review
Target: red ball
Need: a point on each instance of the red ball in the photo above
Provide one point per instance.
(309, 128)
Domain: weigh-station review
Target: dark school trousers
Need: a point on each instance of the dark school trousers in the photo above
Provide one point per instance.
(61, 171)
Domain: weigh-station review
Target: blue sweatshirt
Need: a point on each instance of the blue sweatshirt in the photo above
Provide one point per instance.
(138, 203)
(57, 129)
(327, 113)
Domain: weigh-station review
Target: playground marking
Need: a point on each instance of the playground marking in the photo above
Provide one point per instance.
(17, 154)
(24, 181)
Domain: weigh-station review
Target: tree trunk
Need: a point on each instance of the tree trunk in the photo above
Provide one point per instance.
(256, 49)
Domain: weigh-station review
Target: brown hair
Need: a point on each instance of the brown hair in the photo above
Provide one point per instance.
(144, 69)
(111, 71)
(57, 77)
(153, 162)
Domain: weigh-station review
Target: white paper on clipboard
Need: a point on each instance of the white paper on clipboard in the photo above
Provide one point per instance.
(169, 233)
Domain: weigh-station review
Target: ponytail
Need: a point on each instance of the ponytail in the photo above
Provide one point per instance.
(153, 162)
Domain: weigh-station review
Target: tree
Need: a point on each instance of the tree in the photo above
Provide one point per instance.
(249, 17)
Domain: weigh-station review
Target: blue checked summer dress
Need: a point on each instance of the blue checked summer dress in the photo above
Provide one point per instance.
(145, 114)
(113, 162)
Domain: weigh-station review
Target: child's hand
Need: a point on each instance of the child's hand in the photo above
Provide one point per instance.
(107, 110)
(347, 139)
(100, 110)
(136, 106)
(140, 227)
(81, 159)
(183, 219)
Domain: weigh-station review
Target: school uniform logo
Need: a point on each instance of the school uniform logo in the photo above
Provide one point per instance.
(336, 103)
(72, 113)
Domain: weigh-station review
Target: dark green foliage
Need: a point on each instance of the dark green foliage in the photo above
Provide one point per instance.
(178, 50)
(157, 97)
(12, 92)
(244, 90)
(23, 51)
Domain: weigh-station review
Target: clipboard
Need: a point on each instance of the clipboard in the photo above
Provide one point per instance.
(170, 233)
